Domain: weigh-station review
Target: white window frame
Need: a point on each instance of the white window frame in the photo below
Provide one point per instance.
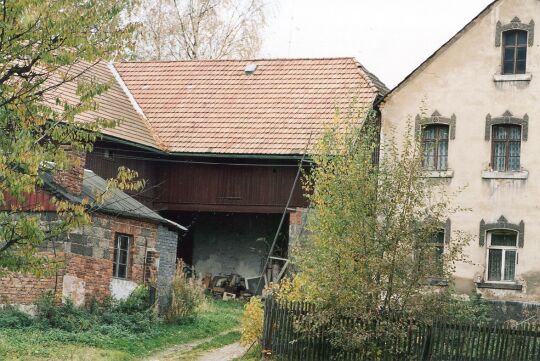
(117, 238)
(503, 259)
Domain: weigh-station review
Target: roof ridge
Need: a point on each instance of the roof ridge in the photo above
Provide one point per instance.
(136, 106)
(377, 84)
(234, 60)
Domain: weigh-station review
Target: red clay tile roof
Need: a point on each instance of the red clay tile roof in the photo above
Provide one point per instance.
(214, 107)
(114, 104)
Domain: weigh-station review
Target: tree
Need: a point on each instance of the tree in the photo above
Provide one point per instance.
(372, 248)
(199, 29)
(45, 47)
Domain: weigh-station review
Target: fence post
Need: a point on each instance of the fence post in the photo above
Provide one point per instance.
(426, 352)
(267, 325)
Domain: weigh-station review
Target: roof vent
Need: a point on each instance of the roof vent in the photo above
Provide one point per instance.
(250, 68)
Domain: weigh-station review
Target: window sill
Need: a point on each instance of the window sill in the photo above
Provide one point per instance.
(438, 282)
(491, 174)
(500, 286)
(438, 173)
(512, 77)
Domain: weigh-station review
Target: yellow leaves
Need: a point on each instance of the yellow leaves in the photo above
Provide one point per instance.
(289, 290)
(252, 322)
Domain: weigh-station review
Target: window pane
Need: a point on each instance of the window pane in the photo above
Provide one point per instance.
(508, 67)
(429, 155)
(115, 269)
(521, 37)
(499, 132)
(515, 132)
(123, 257)
(494, 264)
(521, 54)
(122, 271)
(499, 158)
(504, 239)
(429, 132)
(509, 265)
(513, 163)
(443, 131)
(443, 155)
(520, 67)
(509, 54)
(509, 38)
(124, 241)
(439, 238)
(513, 160)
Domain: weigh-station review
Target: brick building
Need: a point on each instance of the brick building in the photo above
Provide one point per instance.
(125, 245)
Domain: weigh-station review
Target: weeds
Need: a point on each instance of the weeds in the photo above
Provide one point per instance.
(187, 295)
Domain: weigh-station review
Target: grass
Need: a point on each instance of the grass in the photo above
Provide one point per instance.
(219, 341)
(32, 343)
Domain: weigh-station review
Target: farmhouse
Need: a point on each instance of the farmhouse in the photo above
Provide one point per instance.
(480, 135)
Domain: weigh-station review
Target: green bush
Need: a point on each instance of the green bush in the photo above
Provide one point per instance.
(133, 315)
(12, 317)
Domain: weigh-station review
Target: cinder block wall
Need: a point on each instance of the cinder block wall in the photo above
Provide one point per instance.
(167, 242)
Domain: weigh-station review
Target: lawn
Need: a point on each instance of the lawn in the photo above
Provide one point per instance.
(33, 343)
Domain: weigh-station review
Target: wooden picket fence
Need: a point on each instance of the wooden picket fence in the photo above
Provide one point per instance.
(437, 341)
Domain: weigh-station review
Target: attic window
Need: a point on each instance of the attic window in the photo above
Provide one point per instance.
(250, 68)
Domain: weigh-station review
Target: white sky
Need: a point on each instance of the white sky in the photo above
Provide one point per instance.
(389, 37)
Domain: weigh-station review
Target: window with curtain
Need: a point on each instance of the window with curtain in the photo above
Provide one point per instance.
(506, 147)
(502, 256)
(121, 256)
(514, 52)
(435, 147)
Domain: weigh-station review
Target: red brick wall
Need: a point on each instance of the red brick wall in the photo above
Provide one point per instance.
(95, 271)
(26, 289)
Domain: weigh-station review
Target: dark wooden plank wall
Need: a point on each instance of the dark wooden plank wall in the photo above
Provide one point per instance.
(127, 157)
(233, 185)
(234, 188)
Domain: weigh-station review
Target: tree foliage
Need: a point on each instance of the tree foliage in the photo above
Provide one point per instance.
(370, 250)
(47, 46)
(199, 29)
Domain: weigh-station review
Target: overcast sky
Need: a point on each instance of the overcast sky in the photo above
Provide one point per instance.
(389, 37)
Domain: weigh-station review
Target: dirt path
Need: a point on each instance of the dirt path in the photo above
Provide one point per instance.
(185, 352)
(226, 353)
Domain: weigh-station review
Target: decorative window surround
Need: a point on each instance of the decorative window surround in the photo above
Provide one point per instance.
(438, 173)
(518, 175)
(500, 286)
(515, 24)
(502, 223)
(507, 118)
(436, 118)
(512, 77)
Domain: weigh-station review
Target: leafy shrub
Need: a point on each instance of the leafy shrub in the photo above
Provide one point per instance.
(12, 317)
(252, 322)
(475, 309)
(133, 315)
(187, 294)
